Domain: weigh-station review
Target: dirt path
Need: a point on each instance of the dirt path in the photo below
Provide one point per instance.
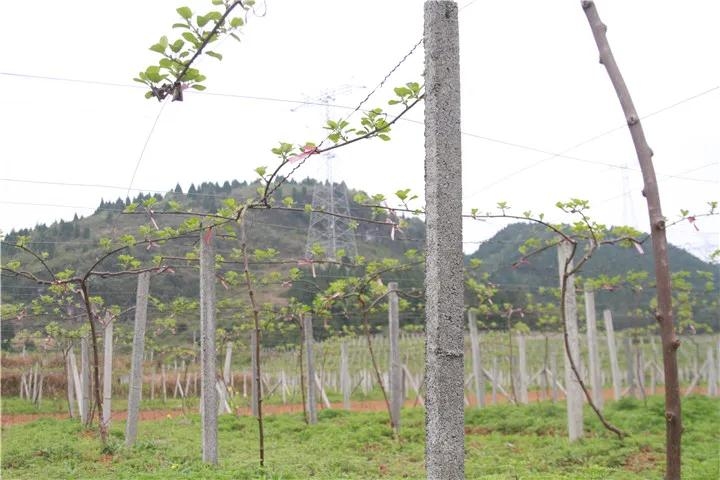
(361, 406)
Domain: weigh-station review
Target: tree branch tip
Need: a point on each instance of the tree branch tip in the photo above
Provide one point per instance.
(587, 4)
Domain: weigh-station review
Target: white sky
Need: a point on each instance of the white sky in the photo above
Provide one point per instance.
(531, 83)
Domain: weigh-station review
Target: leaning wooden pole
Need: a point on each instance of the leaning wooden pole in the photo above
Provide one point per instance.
(664, 314)
(444, 368)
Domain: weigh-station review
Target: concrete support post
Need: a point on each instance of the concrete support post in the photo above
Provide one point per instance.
(311, 401)
(84, 379)
(227, 372)
(135, 387)
(592, 341)
(612, 352)
(394, 367)
(444, 418)
(574, 393)
(476, 360)
(522, 369)
(107, 372)
(208, 354)
(345, 382)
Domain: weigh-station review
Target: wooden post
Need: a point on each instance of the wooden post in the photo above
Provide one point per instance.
(554, 370)
(444, 363)
(612, 352)
(394, 367)
(107, 370)
(135, 387)
(476, 360)
(208, 354)
(593, 355)
(310, 361)
(574, 391)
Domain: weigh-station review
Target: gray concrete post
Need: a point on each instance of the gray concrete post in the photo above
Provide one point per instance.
(574, 395)
(84, 379)
(522, 369)
(107, 372)
(394, 367)
(592, 342)
(310, 361)
(612, 352)
(208, 354)
(476, 360)
(345, 381)
(445, 415)
(135, 387)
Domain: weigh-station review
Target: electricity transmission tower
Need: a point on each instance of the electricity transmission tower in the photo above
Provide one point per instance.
(330, 228)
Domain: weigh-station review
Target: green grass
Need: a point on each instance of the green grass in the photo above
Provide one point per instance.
(502, 442)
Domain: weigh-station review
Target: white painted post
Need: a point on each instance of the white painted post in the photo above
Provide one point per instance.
(394, 367)
(84, 379)
(107, 370)
(574, 394)
(208, 354)
(522, 369)
(593, 355)
(136, 365)
(612, 352)
(345, 381)
(310, 362)
(445, 407)
(476, 360)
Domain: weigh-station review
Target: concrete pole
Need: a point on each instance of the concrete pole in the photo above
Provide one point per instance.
(630, 367)
(444, 368)
(574, 395)
(345, 382)
(84, 379)
(712, 376)
(476, 360)
(135, 387)
(228, 361)
(311, 402)
(522, 369)
(593, 354)
(70, 385)
(612, 352)
(107, 371)
(394, 367)
(208, 354)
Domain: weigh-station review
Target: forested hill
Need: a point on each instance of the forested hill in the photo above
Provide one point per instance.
(75, 245)
(696, 280)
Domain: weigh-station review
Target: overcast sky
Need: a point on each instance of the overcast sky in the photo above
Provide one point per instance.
(541, 122)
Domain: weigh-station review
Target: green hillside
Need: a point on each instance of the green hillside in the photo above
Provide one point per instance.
(76, 245)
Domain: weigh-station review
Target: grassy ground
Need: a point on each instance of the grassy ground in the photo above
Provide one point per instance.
(502, 442)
